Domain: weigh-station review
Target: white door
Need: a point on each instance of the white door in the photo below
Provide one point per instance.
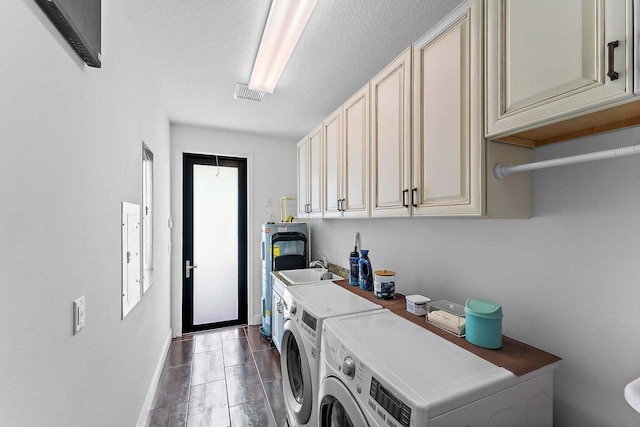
(548, 59)
(315, 173)
(355, 183)
(391, 138)
(448, 137)
(333, 164)
(338, 407)
(303, 176)
(296, 374)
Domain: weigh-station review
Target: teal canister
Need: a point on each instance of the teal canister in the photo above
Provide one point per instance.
(365, 273)
(483, 323)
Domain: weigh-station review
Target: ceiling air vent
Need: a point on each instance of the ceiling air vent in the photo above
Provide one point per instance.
(243, 92)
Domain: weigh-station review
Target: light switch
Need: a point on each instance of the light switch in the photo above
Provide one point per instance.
(78, 315)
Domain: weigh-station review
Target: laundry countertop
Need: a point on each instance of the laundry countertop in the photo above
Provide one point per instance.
(514, 356)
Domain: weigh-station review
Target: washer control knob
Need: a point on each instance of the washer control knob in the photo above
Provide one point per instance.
(294, 309)
(349, 367)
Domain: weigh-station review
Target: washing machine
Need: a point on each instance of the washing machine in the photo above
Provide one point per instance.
(307, 308)
(379, 369)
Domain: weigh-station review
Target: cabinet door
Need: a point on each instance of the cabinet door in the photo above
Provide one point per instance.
(448, 138)
(332, 130)
(315, 172)
(356, 155)
(303, 176)
(277, 322)
(549, 59)
(391, 138)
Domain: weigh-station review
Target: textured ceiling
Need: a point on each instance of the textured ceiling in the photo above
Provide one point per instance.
(198, 49)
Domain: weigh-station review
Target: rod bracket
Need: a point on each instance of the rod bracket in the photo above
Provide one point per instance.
(499, 171)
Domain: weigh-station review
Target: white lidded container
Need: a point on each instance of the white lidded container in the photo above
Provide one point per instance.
(384, 284)
(417, 304)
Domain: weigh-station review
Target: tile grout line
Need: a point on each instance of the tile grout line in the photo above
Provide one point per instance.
(192, 362)
(273, 415)
(193, 355)
(226, 384)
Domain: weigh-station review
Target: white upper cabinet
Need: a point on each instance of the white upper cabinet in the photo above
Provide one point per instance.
(346, 140)
(303, 176)
(355, 152)
(310, 174)
(333, 161)
(391, 139)
(448, 140)
(549, 60)
(452, 162)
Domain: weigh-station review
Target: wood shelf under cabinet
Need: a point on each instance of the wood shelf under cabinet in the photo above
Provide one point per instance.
(605, 120)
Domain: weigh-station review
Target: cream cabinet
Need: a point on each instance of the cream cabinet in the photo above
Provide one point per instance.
(550, 60)
(333, 164)
(310, 174)
(346, 141)
(391, 139)
(451, 161)
(303, 176)
(355, 152)
(448, 139)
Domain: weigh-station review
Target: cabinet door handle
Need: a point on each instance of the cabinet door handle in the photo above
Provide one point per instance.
(342, 202)
(339, 205)
(414, 197)
(613, 75)
(404, 198)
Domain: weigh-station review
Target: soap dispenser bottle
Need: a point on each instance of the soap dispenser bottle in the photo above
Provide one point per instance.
(365, 274)
(354, 263)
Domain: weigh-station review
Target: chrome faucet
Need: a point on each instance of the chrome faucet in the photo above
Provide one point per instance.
(320, 263)
(324, 264)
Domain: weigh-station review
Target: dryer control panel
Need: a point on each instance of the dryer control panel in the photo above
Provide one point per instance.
(394, 406)
(308, 325)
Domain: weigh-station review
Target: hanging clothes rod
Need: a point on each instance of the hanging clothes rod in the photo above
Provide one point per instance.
(500, 170)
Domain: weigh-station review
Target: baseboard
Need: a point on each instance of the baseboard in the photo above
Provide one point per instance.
(144, 413)
(257, 319)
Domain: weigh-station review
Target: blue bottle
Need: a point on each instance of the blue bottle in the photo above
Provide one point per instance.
(354, 267)
(354, 263)
(365, 274)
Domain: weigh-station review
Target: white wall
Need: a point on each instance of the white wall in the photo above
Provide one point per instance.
(271, 173)
(568, 278)
(71, 152)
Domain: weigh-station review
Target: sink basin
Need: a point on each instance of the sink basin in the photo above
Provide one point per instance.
(632, 394)
(306, 275)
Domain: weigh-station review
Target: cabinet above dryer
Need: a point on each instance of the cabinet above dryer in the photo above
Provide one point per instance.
(549, 63)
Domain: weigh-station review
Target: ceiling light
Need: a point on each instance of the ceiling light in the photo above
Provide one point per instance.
(286, 21)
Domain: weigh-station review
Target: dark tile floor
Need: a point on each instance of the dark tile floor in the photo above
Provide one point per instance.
(225, 377)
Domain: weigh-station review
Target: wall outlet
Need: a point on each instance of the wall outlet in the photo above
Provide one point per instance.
(78, 315)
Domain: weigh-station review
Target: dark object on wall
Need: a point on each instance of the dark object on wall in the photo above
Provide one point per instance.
(79, 22)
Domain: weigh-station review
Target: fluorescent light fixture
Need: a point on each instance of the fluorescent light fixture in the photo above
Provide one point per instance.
(286, 21)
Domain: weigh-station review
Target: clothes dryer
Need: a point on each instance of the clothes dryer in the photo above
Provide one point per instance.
(379, 369)
(308, 306)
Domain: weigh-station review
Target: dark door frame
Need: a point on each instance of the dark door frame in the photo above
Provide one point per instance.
(189, 160)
